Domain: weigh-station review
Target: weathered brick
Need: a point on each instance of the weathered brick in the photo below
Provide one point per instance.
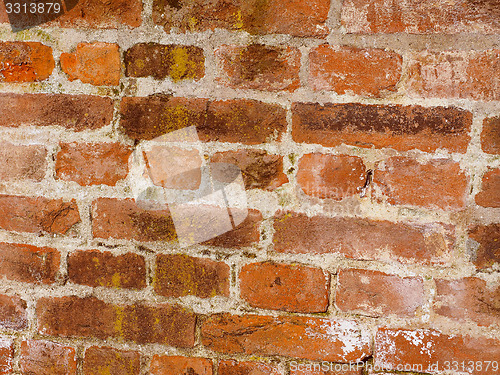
(95, 63)
(230, 367)
(22, 162)
(362, 238)
(428, 350)
(285, 287)
(47, 358)
(92, 163)
(162, 61)
(306, 337)
(259, 169)
(254, 16)
(74, 112)
(90, 317)
(439, 183)
(357, 71)
(123, 219)
(181, 275)
(13, 313)
(35, 215)
(102, 268)
(259, 67)
(469, 75)
(165, 365)
(399, 127)
(375, 293)
(28, 263)
(6, 356)
(109, 361)
(421, 17)
(25, 62)
(485, 246)
(469, 298)
(331, 176)
(490, 136)
(489, 196)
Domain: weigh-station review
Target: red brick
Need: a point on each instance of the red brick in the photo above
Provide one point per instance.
(285, 287)
(230, 367)
(22, 162)
(35, 215)
(90, 317)
(254, 16)
(357, 71)
(399, 127)
(109, 361)
(6, 356)
(164, 365)
(181, 275)
(469, 298)
(375, 293)
(161, 61)
(95, 63)
(486, 245)
(259, 67)
(73, 112)
(260, 170)
(331, 176)
(469, 75)
(429, 350)
(92, 163)
(47, 358)
(362, 238)
(25, 62)
(437, 184)
(324, 369)
(489, 196)
(13, 313)
(123, 219)
(28, 263)
(290, 336)
(96, 268)
(490, 136)
(420, 17)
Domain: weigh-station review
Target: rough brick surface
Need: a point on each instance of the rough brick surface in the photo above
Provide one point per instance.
(164, 365)
(438, 183)
(162, 61)
(74, 112)
(260, 170)
(230, 367)
(394, 126)
(6, 356)
(254, 16)
(331, 176)
(22, 162)
(47, 358)
(362, 238)
(181, 275)
(35, 215)
(309, 338)
(109, 361)
(90, 317)
(489, 196)
(102, 268)
(25, 62)
(375, 293)
(285, 287)
(27, 263)
(490, 137)
(468, 299)
(95, 63)
(485, 246)
(13, 313)
(259, 67)
(347, 70)
(92, 164)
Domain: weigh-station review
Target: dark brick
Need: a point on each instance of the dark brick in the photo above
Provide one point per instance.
(13, 313)
(486, 249)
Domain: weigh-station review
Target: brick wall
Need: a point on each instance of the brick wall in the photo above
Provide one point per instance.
(368, 134)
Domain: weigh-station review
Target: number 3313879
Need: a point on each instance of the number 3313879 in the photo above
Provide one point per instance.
(33, 8)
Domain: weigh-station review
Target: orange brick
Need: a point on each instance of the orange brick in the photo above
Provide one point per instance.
(6, 356)
(47, 358)
(230, 367)
(13, 314)
(109, 361)
(25, 62)
(490, 137)
(22, 162)
(164, 365)
(485, 248)
(489, 196)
